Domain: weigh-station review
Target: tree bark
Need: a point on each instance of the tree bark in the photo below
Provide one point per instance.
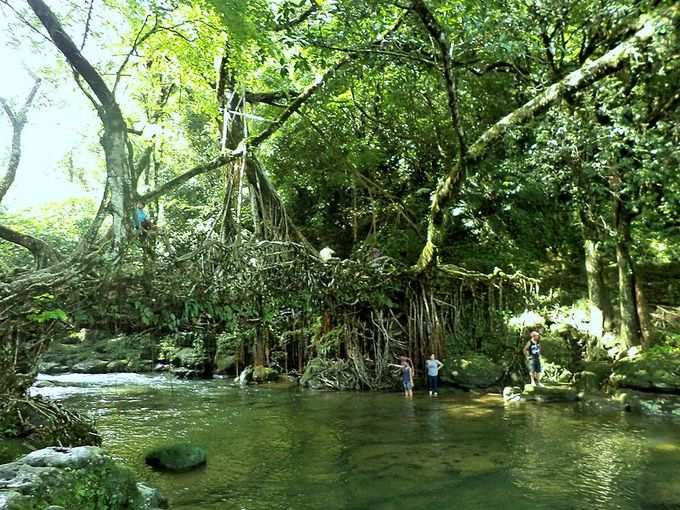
(43, 254)
(648, 27)
(630, 324)
(598, 293)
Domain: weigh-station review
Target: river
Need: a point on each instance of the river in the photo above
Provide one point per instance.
(277, 447)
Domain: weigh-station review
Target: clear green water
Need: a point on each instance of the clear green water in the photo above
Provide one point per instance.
(281, 448)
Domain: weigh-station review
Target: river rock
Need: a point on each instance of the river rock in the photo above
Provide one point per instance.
(152, 497)
(653, 371)
(94, 366)
(185, 373)
(187, 357)
(473, 371)
(81, 477)
(50, 367)
(512, 394)
(561, 393)
(600, 404)
(653, 404)
(119, 365)
(264, 374)
(176, 457)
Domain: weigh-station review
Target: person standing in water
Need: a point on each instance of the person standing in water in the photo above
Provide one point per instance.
(406, 375)
(407, 378)
(433, 365)
(532, 351)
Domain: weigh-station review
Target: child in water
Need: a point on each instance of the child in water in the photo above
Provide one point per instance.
(406, 375)
(532, 351)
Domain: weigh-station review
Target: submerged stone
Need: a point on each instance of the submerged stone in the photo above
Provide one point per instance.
(176, 457)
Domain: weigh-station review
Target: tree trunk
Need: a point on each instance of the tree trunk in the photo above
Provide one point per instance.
(644, 315)
(114, 140)
(597, 290)
(630, 324)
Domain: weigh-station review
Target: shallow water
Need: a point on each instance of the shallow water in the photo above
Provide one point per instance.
(281, 448)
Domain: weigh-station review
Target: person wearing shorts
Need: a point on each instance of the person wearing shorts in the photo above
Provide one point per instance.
(532, 351)
(407, 378)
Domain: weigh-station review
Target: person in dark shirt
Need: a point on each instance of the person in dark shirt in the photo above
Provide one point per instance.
(532, 351)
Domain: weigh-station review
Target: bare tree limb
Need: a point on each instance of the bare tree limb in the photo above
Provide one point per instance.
(87, 25)
(139, 39)
(18, 121)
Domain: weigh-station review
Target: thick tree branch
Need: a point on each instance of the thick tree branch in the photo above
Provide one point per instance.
(314, 87)
(211, 165)
(65, 44)
(648, 28)
(43, 254)
(435, 30)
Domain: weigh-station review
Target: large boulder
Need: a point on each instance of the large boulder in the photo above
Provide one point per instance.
(81, 478)
(648, 371)
(473, 371)
(176, 457)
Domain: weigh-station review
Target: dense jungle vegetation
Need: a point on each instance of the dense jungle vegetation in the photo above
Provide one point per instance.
(464, 161)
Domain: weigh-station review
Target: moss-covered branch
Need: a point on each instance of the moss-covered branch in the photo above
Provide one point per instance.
(647, 28)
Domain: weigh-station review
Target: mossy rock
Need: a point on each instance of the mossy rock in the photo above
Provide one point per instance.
(264, 374)
(82, 478)
(119, 365)
(94, 366)
(473, 370)
(176, 457)
(556, 393)
(648, 371)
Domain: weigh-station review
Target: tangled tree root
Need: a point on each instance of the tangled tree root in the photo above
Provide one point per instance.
(43, 422)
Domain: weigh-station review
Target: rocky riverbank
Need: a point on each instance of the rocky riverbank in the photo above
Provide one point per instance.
(81, 478)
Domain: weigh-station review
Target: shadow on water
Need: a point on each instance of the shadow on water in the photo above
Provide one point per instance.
(276, 448)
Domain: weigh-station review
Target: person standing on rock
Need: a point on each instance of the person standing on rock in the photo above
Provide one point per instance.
(433, 365)
(532, 350)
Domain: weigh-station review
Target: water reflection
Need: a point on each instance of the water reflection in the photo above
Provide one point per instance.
(281, 449)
